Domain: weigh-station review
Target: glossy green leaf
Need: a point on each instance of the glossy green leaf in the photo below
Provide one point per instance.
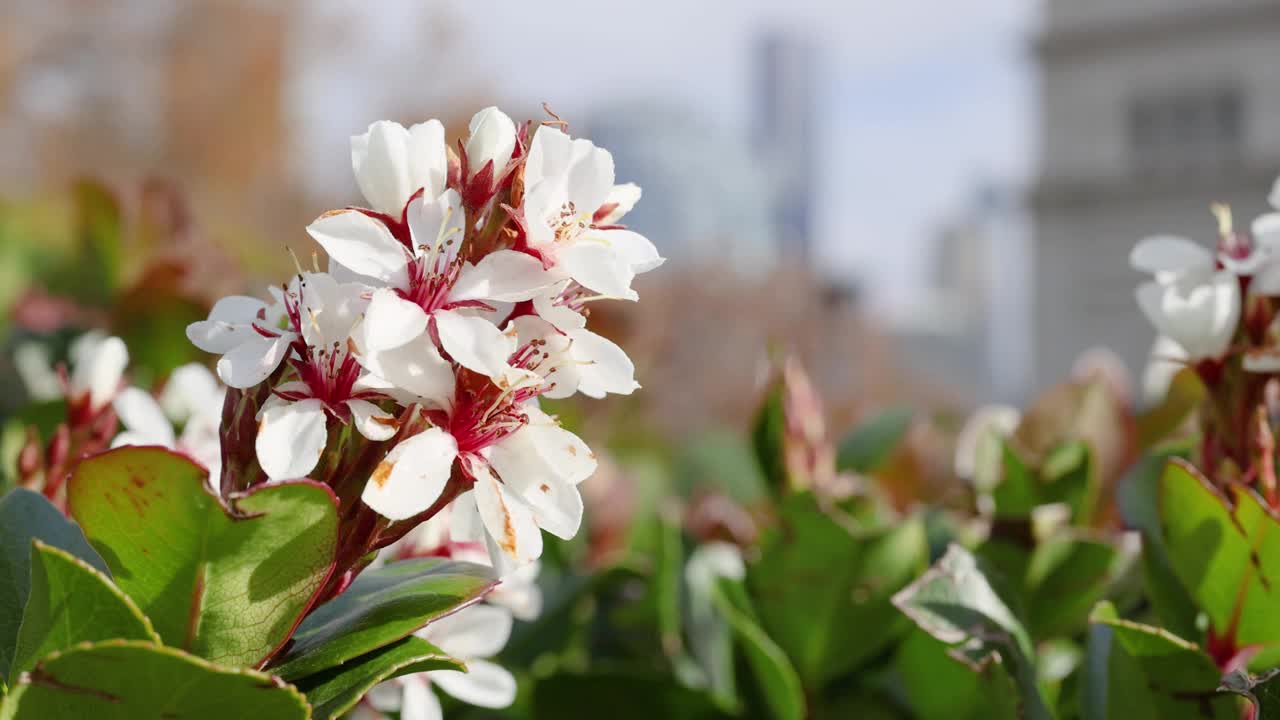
(1066, 577)
(773, 672)
(1139, 672)
(227, 583)
(380, 607)
(955, 602)
(132, 680)
(817, 584)
(334, 691)
(1226, 552)
(70, 603)
(869, 445)
(26, 516)
(938, 686)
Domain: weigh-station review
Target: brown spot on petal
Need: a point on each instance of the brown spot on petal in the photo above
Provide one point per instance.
(331, 213)
(572, 450)
(508, 541)
(381, 473)
(544, 487)
(352, 347)
(386, 420)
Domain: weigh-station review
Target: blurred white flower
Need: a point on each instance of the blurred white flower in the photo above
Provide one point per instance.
(97, 370)
(191, 397)
(987, 423)
(1190, 302)
(35, 370)
(1164, 361)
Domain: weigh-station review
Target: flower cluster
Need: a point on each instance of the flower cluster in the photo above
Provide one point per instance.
(450, 305)
(1216, 312)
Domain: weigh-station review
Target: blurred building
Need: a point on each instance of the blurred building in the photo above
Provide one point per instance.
(707, 196)
(970, 323)
(784, 83)
(1150, 110)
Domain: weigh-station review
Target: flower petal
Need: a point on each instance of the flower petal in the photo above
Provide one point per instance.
(414, 367)
(590, 178)
(632, 247)
(603, 367)
(504, 275)
(550, 153)
(142, 417)
(362, 245)
(1169, 254)
(191, 390)
(252, 362)
(372, 421)
(597, 267)
(412, 476)
(564, 318)
(493, 138)
(291, 437)
(392, 163)
(419, 702)
(229, 324)
(99, 371)
(1198, 311)
(485, 684)
(390, 321)
(508, 520)
(622, 200)
(436, 225)
(1266, 231)
(475, 343)
(478, 631)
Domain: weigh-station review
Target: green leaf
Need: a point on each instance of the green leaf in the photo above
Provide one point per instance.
(1139, 672)
(817, 584)
(1015, 495)
(1067, 575)
(380, 607)
(777, 679)
(133, 680)
(768, 438)
(1139, 499)
(1263, 690)
(70, 603)
(623, 695)
(334, 691)
(227, 583)
(27, 516)
(1183, 397)
(866, 448)
(939, 686)
(1226, 552)
(954, 602)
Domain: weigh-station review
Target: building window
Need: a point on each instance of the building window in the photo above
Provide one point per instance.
(1194, 132)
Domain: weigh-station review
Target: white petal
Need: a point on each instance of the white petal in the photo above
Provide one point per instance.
(329, 309)
(1169, 254)
(415, 367)
(1266, 231)
(436, 225)
(420, 703)
(603, 367)
(190, 390)
(237, 309)
(465, 525)
(100, 372)
(483, 685)
(388, 696)
(597, 267)
(1267, 281)
(508, 520)
(291, 437)
(392, 163)
(372, 421)
(412, 476)
(631, 246)
(564, 318)
(252, 362)
(519, 593)
(543, 467)
(390, 321)
(493, 138)
(622, 199)
(479, 631)
(361, 244)
(549, 155)
(475, 343)
(1199, 312)
(142, 416)
(1274, 197)
(137, 439)
(229, 324)
(504, 275)
(591, 180)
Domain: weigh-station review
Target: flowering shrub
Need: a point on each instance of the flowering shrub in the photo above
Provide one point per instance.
(346, 519)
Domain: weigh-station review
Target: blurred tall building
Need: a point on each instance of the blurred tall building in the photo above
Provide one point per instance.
(1150, 110)
(784, 83)
(707, 196)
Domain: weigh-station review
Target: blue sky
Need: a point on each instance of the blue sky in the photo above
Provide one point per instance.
(921, 101)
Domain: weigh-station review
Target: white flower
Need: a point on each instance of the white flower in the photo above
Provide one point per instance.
(1189, 302)
(523, 467)
(293, 423)
(568, 182)
(988, 422)
(1266, 235)
(573, 359)
(191, 397)
(492, 140)
(430, 285)
(97, 370)
(472, 635)
(392, 163)
(1164, 362)
(31, 361)
(622, 200)
(252, 336)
